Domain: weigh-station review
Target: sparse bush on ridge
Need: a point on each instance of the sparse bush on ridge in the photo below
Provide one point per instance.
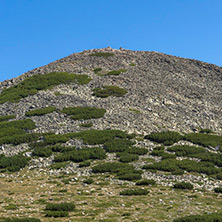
(33, 84)
(41, 112)
(42, 152)
(97, 70)
(205, 131)
(107, 91)
(7, 117)
(102, 54)
(86, 125)
(54, 139)
(78, 113)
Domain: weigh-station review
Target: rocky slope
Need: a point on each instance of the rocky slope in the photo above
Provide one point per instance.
(164, 92)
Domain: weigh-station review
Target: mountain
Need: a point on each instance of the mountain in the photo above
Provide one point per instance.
(87, 126)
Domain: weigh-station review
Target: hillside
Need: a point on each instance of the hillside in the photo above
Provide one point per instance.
(87, 127)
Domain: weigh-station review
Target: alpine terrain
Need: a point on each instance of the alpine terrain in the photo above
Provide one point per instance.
(112, 135)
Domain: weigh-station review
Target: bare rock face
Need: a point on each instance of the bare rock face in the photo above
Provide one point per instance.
(164, 92)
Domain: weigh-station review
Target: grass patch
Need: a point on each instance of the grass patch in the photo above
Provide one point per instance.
(22, 219)
(107, 91)
(79, 113)
(41, 112)
(134, 192)
(33, 84)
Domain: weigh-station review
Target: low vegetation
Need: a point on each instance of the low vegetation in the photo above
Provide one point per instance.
(167, 138)
(82, 155)
(116, 72)
(133, 192)
(204, 139)
(33, 84)
(94, 137)
(83, 113)
(107, 91)
(13, 163)
(183, 186)
(97, 70)
(117, 145)
(41, 112)
(22, 219)
(7, 117)
(215, 217)
(146, 182)
(102, 54)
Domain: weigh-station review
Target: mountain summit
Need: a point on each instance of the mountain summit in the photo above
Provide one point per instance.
(163, 91)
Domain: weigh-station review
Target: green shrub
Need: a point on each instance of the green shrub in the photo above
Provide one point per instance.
(54, 139)
(201, 218)
(82, 155)
(102, 54)
(61, 149)
(22, 219)
(167, 138)
(132, 64)
(94, 137)
(13, 163)
(117, 145)
(204, 139)
(18, 139)
(42, 152)
(146, 182)
(86, 125)
(205, 131)
(173, 165)
(8, 117)
(185, 150)
(79, 113)
(60, 206)
(130, 176)
(218, 189)
(107, 91)
(97, 70)
(183, 185)
(85, 164)
(41, 112)
(168, 156)
(132, 192)
(33, 84)
(116, 72)
(88, 181)
(137, 150)
(56, 214)
(127, 157)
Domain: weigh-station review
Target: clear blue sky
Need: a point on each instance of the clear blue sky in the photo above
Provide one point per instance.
(36, 32)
